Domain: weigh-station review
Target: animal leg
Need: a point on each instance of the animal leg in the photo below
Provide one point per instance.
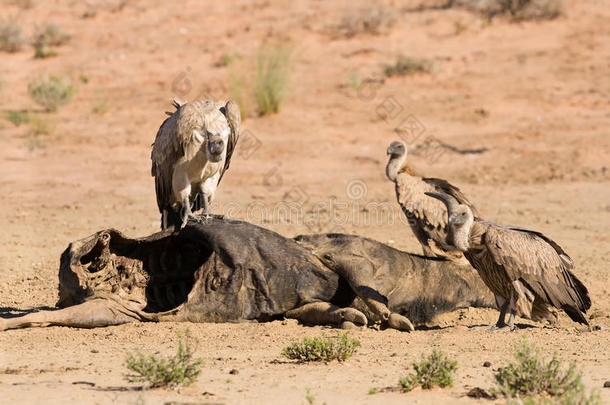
(89, 314)
(359, 273)
(513, 311)
(206, 203)
(325, 313)
(207, 191)
(185, 212)
(506, 306)
(181, 186)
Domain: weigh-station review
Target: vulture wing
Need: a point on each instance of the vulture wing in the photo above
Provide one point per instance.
(541, 265)
(166, 151)
(231, 111)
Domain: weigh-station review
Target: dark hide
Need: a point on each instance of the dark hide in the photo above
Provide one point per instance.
(221, 270)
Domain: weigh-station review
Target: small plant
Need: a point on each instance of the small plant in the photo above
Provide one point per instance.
(41, 52)
(51, 93)
(40, 126)
(373, 391)
(407, 66)
(83, 78)
(531, 375)
(46, 37)
(11, 36)
(227, 58)
(237, 87)
(100, 108)
(436, 369)
(309, 397)
(459, 27)
(522, 10)
(179, 369)
(322, 348)
(17, 117)
(273, 68)
(354, 80)
(373, 19)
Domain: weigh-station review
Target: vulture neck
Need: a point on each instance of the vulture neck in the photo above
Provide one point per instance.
(395, 164)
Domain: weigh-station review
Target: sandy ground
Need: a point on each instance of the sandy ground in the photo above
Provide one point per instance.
(535, 94)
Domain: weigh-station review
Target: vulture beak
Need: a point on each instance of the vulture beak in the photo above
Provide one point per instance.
(450, 202)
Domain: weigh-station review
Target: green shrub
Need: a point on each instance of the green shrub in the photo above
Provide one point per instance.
(522, 10)
(436, 369)
(322, 348)
(11, 36)
(17, 117)
(40, 126)
(50, 34)
(100, 107)
(46, 37)
(238, 90)
(227, 58)
(273, 68)
(172, 371)
(531, 375)
(51, 93)
(407, 66)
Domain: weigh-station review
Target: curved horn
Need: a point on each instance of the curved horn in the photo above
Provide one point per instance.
(450, 202)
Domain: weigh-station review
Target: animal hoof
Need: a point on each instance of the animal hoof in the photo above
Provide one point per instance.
(348, 325)
(397, 321)
(353, 316)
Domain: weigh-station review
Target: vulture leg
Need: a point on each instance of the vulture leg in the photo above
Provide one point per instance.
(507, 306)
(513, 311)
(503, 305)
(185, 212)
(204, 199)
(206, 204)
(197, 204)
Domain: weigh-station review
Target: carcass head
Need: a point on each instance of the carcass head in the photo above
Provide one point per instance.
(95, 266)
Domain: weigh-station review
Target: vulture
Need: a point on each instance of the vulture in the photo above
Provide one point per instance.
(528, 272)
(191, 153)
(426, 216)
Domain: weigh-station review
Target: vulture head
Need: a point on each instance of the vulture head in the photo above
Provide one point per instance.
(460, 220)
(397, 149)
(398, 154)
(209, 126)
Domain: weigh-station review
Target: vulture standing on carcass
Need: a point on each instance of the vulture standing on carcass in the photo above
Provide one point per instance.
(528, 272)
(426, 216)
(191, 153)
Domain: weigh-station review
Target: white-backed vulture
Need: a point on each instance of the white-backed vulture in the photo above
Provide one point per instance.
(191, 153)
(529, 273)
(426, 216)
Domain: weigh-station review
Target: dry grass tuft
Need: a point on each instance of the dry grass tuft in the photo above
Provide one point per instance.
(373, 19)
(11, 36)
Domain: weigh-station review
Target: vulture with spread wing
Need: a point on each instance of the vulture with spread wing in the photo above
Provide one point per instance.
(426, 216)
(529, 273)
(191, 153)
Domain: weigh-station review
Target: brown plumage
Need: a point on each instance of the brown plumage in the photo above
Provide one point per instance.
(426, 216)
(191, 153)
(529, 273)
